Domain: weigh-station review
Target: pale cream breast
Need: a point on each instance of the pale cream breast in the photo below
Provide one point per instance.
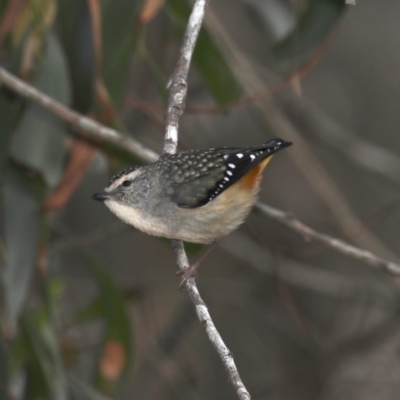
(128, 214)
(198, 225)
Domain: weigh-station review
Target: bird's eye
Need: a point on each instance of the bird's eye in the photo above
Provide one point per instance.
(126, 183)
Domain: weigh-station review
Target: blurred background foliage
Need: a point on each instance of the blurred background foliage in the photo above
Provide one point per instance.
(90, 308)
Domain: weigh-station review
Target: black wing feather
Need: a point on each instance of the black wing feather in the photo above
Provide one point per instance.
(224, 168)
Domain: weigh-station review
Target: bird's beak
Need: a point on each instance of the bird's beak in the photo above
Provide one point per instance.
(101, 196)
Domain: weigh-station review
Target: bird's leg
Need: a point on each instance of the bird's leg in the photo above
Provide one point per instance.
(191, 271)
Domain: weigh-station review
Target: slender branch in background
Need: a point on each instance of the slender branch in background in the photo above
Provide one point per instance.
(148, 155)
(303, 157)
(359, 151)
(92, 129)
(288, 220)
(156, 109)
(176, 105)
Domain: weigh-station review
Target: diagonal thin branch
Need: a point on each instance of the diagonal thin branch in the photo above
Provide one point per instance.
(96, 131)
(86, 127)
(303, 157)
(288, 220)
(205, 319)
(176, 105)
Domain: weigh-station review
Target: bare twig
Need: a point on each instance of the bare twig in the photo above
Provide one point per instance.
(176, 105)
(152, 109)
(206, 321)
(97, 132)
(91, 128)
(308, 233)
(303, 157)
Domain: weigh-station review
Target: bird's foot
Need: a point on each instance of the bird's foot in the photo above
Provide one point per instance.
(188, 273)
(191, 271)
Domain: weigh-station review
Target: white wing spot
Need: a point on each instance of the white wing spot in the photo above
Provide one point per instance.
(239, 155)
(252, 156)
(232, 166)
(221, 186)
(229, 173)
(226, 178)
(226, 156)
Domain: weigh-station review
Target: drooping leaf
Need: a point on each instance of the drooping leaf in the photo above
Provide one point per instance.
(314, 24)
(3, 369)
(119, 34)
(207, 58)
(10, 105)
(21, 221)
(93, 311)
(115, 356)
(39, 140)
(76, 35)
(45, 372)
(54, 289)
(7, 121)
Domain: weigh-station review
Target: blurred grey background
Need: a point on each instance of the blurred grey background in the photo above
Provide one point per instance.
(303, 321)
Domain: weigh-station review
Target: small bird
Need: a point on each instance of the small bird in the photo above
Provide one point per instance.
(196, 196)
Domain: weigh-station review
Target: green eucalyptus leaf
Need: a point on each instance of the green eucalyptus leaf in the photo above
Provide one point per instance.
(76, 35)
(3, 370)
(55, 288)
(10, 106)
(7, 122)
(119, 38)
(21, 222)
(45, 372)
(212, 65)
(314, 24)
(39, 141)
(93, 311)
(118, 329)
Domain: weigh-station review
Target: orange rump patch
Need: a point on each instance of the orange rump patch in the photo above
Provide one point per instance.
(252, 179)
